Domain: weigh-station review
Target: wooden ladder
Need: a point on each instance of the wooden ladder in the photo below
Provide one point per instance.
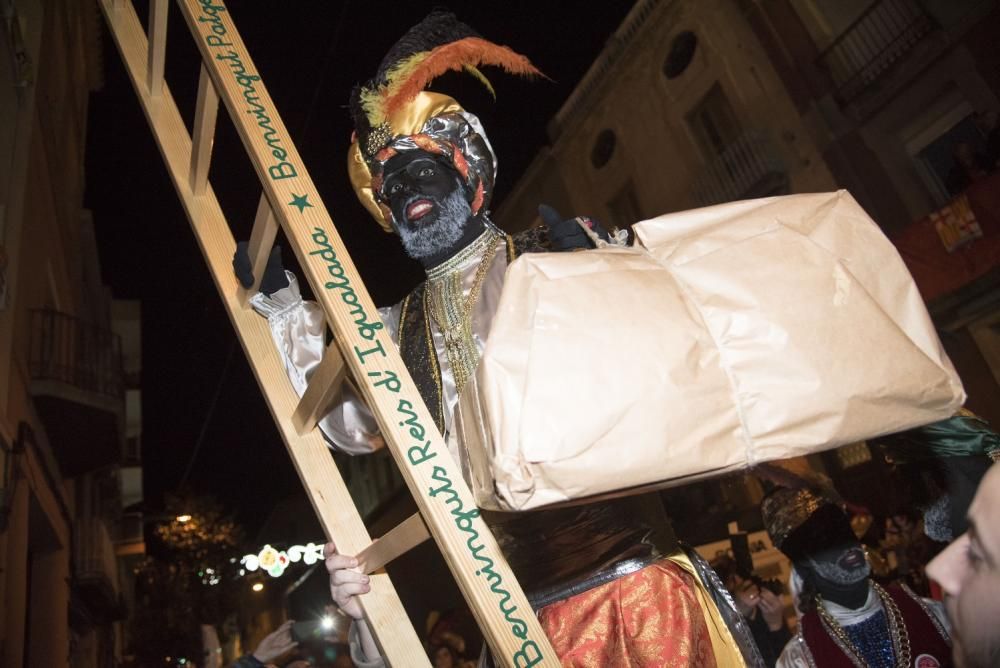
(361, 348)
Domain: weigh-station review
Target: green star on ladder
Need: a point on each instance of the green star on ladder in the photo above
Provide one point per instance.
(300, 201)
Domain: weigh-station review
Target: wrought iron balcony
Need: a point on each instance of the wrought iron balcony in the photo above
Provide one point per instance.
(872, 44)
(68, 350)
(748, 167)
(96, 590)
(76, 381)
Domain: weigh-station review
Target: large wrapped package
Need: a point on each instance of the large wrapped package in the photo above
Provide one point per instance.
(734, 335)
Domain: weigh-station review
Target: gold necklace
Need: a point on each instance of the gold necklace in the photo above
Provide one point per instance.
(451, 313)
(897, 630)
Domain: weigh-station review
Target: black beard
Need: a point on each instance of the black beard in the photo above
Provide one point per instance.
(440, 237)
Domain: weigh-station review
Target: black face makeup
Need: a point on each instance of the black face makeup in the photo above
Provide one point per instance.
(841, 565)
(415, 185)
(430, 211)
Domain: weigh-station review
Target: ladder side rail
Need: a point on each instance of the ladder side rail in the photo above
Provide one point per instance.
(310, 455)
(445, 502)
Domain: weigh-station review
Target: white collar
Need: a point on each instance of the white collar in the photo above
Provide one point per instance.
(848, 617)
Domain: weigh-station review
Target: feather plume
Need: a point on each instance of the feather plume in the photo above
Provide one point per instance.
(479, 76)
(412, 75)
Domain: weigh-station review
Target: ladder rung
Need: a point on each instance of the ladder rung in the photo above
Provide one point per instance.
(205, 112)
(157, 45)
(323, 386)
(265, 228)
(401, 539)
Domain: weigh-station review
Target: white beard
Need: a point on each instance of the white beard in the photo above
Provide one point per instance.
(423, 241)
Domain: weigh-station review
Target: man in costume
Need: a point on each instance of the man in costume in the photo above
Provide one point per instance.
(847, 619)
(608, 580)
(941, 465)
(969, 572)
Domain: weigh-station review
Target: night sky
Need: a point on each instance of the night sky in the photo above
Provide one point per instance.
(309, 54)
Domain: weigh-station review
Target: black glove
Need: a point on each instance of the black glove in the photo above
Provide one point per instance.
(274, 273)
(565, 233)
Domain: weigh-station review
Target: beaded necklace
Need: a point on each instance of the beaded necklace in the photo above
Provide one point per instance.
(897, 631)
(451, 313)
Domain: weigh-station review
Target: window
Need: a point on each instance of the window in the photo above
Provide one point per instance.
(713, 122)
(939, 158)
(681, 54)
(604, 148)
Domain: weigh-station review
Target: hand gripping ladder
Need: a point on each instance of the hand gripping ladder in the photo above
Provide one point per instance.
(361, 348)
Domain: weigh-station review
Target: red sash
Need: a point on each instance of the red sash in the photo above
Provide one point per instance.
(928, 647)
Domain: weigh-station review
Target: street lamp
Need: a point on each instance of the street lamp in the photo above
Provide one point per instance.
(257, 586)
(183, 518)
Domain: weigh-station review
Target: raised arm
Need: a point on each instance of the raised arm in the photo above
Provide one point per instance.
(298, 328)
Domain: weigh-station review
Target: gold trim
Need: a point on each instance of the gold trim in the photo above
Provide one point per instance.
(724, 646)
(511, 251)
(455, 262)
(452, 312)
(927, 611)
(403, 309)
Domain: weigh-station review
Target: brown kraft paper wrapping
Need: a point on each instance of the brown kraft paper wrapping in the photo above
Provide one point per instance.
(737, 334)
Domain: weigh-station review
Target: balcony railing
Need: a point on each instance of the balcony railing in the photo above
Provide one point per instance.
(874, 42)
(749, 167)
(96, 589)
(68, 350)
(130, 528)
(94, 553)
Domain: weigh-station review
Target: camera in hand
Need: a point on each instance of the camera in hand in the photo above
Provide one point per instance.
(773, 586)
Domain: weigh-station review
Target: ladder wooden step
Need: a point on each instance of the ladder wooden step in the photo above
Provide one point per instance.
(206, 110)
(398, 541)
(265, 229)
(157, 46)
(324, 385)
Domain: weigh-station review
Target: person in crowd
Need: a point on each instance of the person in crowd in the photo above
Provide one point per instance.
(759, 602)
(968, 571)
(938, 467)
(846, 618)
(277, 645)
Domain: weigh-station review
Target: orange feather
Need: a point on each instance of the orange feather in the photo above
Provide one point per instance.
(469, 51)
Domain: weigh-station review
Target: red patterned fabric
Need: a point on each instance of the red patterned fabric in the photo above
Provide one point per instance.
(649, 618)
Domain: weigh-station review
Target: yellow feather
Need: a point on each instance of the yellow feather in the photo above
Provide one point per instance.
(474, 71)
(373, 102)
(401, 72)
